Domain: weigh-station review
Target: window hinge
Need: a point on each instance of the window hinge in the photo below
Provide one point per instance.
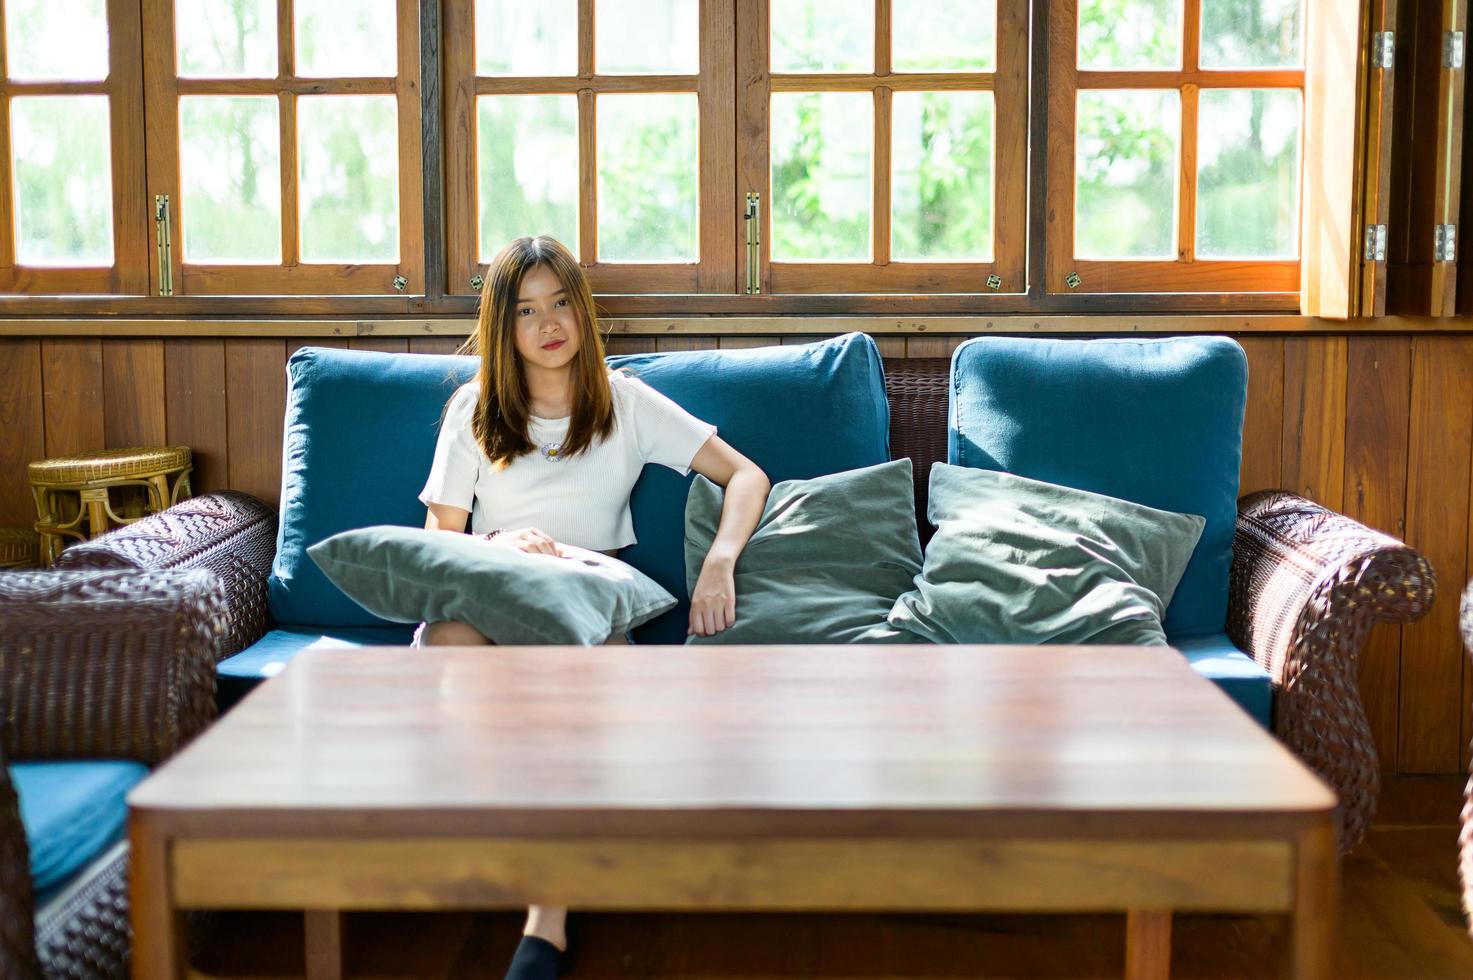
(1383, 49)
(1375, 243)
(1452, 49)
(165, 246)
(1445, 244)
(753, 216)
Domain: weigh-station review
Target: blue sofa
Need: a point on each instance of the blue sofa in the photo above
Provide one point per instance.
(1156, 421)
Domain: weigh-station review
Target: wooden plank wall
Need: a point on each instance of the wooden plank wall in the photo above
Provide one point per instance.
(1380, 427)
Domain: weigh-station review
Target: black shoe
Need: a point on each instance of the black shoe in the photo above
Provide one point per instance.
(572, 929)
(535, 959)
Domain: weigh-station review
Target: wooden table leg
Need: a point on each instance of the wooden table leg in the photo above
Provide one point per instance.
(324, 933)
(1147, 944)
(1316, 898)
(158, 928)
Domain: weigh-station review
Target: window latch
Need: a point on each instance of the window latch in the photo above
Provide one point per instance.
(165, 246)
(753, 216)
(1452, 49)
(1383, 49)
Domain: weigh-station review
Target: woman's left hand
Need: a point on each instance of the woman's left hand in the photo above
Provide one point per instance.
(713, 601)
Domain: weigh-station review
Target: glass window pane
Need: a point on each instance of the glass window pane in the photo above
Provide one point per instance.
(822, 187)
(1125, 174)
(514, 37)
(1252, 34)
(348, 178)
(941, 178)
(1248, 173)
(56, 40)
(648, 158)
(62, 163)
(823, 35)
(528, 157)
(1130, 33)
(943, 35)
(230, 178)
(225, 38)
(346, 40)
(647, 37)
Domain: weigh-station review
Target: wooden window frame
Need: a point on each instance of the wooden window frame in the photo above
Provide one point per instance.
(1185, 273)
(291, 275)
(123, 88)
(714, 270)
(1008, 82)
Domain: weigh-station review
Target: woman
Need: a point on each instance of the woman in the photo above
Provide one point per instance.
(543, 449)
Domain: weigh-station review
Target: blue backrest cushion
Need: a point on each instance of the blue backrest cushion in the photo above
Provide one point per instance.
(797, 411)
(361, 429)
(360, 436)
(1158, 422)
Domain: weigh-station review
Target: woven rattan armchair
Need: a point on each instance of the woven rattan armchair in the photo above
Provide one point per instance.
(1307, 585)
(94, 665)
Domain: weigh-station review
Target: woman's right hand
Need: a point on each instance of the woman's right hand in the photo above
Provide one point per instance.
(530, 540)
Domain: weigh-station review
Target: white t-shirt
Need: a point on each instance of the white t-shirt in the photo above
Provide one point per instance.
(581, 500)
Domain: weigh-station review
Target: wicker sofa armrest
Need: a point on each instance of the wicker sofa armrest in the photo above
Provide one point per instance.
(17, 901)
(117, 664)
(1307, 585)
(229, 533)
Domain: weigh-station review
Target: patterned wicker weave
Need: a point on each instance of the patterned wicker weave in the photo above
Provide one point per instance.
(17, 928)
(1307, 584)
(116, 664)
(20, 547)
(1465, 833)
(231, 534)
(917, 388)
(112, 664)
(108, 464)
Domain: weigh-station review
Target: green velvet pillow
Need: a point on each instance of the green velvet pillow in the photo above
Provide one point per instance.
(827, 561)
(1019, 561)
(411, 575)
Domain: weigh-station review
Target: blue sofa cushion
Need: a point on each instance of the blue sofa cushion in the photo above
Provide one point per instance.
(1213, 656)
(237, 675)
(72, 811)
(1158, 422)
(798, 412)
(360, 435)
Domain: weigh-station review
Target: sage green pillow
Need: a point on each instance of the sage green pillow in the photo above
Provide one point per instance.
(826, 563)
(1019, 561)
(412, 575)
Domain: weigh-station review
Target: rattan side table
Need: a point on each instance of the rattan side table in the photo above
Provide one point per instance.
(162, 471)
(19, 547)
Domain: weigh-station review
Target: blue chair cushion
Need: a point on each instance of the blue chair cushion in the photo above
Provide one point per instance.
(72, 811)
(237, 675)
(1213, 656)
(798, 412)
(360, 436)
(1158, 422)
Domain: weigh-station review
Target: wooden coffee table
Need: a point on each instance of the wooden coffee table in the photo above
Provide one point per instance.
(1063, 779)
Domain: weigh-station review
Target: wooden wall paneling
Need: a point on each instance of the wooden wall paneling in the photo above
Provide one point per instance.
(931, 346)
(387, 345)
(1377, 418)
(434, 345)
(685, 343)
(292, 346)
(1263, 418)
(1314, 419)
(133, 393)
(194, 407)
(1465, 704)
(71, 379)
(629, 345)
(1441, 439)
(255, 391)
(23, 423)
(744, 343)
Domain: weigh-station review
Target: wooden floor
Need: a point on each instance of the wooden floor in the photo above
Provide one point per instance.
(1400, 918)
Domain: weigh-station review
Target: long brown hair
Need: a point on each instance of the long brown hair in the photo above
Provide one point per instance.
(503, 408)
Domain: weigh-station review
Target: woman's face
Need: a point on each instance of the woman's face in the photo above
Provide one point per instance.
(545, 327)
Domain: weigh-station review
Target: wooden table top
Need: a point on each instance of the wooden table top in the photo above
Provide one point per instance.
(735, 741)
